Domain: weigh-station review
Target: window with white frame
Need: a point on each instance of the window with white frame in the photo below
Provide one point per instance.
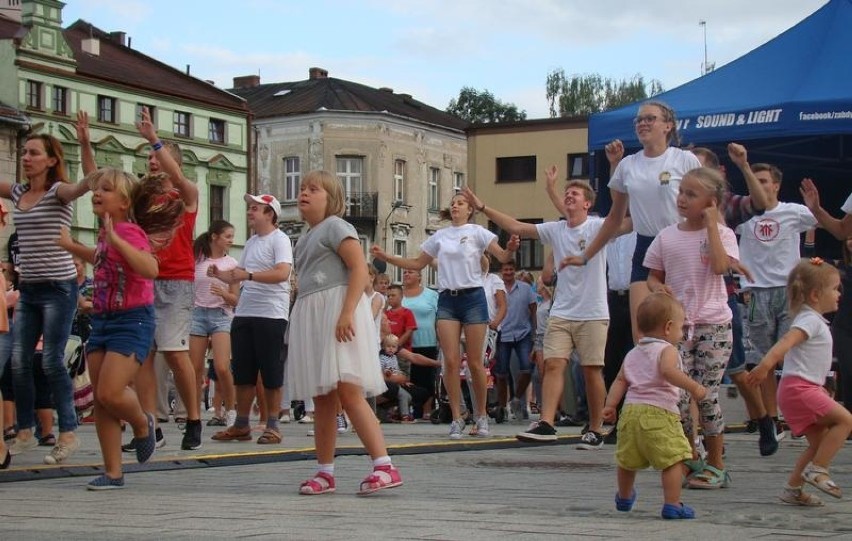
(434, 195)
(152, 112)
(182, 123)
(458, 182)
(431, 276)
(216, 131)
(60, 100)
(399, 181)
(399, 250)
(292, 178)
(107, 109)
(350, 173)
(34, 89)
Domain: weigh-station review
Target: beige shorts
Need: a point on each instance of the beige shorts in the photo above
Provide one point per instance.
(587, 337)
(173, 302)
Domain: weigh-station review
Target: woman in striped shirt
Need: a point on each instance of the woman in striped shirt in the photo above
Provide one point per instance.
(48, 285)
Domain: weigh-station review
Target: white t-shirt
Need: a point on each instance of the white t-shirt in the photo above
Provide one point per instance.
(458, 250)
(265, 300)
(769, 244)
(847, 206)
(653, 184)
(492, 284)
(580, 291)
(685, 258)
(619, 261)
(810, 360)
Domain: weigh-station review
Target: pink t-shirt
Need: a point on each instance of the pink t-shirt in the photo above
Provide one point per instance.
(203, 297)
(685, 258)
(117, 287)
(645, 383)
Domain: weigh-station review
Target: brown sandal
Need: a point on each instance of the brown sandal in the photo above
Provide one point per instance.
(269, 437)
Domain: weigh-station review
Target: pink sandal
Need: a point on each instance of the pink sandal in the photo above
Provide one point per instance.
(382, 477)
(322, 483)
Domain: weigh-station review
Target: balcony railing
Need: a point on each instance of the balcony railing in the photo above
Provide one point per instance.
(362, 205)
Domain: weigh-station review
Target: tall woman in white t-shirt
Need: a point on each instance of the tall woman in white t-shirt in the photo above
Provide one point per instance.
(461, 301)
(212, 314)
(648, 183)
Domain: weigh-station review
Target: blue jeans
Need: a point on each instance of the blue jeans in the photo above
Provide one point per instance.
(44, 309)
(522, 349)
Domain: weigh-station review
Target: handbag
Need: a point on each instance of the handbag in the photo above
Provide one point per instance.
(75, 362)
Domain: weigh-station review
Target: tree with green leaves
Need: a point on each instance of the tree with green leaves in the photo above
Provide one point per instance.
(482, 107)
(587, 94)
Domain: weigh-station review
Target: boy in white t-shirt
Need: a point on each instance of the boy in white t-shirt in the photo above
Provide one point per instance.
(579, 317)
(769, 248)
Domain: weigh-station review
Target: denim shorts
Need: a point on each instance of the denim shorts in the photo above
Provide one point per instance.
(639, 273)
(209, 321)
(128, 332)
(467, 306)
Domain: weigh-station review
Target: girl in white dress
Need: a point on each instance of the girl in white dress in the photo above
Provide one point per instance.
(333, 348)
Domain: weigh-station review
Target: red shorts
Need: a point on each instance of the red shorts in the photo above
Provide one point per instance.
(803, 403)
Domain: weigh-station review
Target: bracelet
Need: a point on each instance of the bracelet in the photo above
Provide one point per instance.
(157, 145)
(251, 277)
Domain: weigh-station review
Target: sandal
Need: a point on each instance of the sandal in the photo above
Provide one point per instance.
(818, 477)
(216, 421)
(625, 504)
(48, 440)
(695, 465)
(797, 496)
(710, 478)
(322, 483)
(671, 511)
(269, 437)
(382, 477)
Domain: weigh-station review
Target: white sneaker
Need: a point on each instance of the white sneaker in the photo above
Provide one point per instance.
(342, 424)
(230, 417)
(307, 419)
(284, 418)
(456, 429)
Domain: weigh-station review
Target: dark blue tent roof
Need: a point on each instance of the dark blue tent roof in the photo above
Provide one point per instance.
(798, 84)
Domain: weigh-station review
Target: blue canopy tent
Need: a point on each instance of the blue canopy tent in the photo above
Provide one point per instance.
(789, 102)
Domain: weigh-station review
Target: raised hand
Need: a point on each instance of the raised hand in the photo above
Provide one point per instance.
(810, 194)
(146, 127)
(472, 200)
(738, 154)
(378, 253)
(614, 152)
(82, 127)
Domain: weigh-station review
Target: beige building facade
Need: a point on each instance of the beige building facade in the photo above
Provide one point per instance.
(506, 164)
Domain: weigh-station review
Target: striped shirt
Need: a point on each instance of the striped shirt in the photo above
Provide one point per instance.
(38, 228)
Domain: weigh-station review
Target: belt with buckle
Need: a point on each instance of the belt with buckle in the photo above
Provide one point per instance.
(457, 292)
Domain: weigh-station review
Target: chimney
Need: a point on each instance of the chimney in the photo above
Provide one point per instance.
(246, 81)
(91, 46)
(317, 73)
(118, 37)
(387, 89)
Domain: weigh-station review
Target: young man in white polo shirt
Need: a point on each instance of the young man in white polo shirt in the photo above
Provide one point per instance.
(579, 317)
(769, 248)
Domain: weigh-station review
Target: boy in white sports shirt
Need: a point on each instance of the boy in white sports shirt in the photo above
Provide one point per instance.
(769, 248)
(579, 317)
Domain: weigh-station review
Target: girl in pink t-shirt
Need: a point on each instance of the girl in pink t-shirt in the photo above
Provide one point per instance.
(813, 289)
(688, 260)
(212, 314)
(123, 309)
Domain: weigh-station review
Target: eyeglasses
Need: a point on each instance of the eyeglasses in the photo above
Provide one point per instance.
(647, 119)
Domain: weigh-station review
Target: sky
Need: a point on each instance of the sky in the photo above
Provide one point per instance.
(432, 48)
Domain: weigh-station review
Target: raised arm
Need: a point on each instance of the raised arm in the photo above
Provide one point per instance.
(188, 190)
(69, 192)
(503, 221)
(739, 155)
(841, 229)
(552, 193)
(402, 262)
(720, 263)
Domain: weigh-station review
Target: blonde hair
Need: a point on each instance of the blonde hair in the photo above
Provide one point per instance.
(335, 205)
(390, 339)
(655, 311)
(808, 276)
(711, 180)
(119, 181)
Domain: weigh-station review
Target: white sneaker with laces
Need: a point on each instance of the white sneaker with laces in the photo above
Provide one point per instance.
(456, 429)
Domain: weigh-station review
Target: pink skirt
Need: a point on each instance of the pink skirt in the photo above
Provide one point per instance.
(803, 403)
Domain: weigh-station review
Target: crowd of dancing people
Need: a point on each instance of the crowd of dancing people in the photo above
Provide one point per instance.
(643, 305)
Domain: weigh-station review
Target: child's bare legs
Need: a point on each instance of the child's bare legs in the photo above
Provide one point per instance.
(626, 479)
(362, 417)
(824, 440)
(714, 445)
(449, 336)
(325, 426)
(672, 478)
(111, 373)
(474, 341)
